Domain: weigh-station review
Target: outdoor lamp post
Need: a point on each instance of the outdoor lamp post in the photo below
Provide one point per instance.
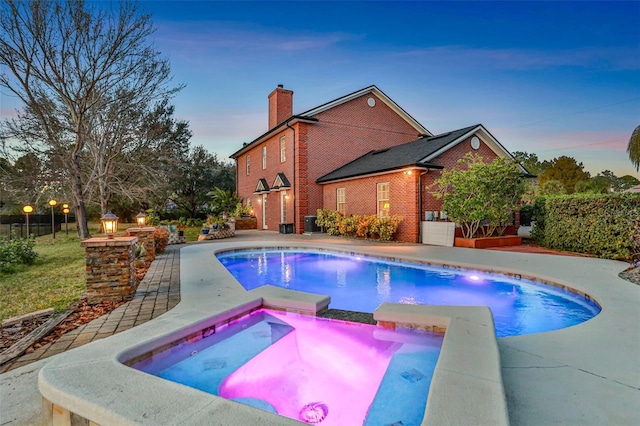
(27, 209)
(141, 219)
(65, 210)
(109, 224)
(53, 203)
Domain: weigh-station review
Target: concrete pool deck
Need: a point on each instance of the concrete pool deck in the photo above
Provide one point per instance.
(587, 374)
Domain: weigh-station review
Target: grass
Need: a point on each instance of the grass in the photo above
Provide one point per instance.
(57, 279)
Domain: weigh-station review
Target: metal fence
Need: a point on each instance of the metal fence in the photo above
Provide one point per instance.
(15, 226)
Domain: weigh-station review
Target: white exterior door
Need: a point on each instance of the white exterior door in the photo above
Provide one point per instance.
(264, 211)
(283, 207)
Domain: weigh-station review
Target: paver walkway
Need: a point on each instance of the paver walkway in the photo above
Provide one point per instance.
(158, 292)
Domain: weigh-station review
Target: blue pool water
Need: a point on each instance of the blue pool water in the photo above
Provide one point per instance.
(359, 283)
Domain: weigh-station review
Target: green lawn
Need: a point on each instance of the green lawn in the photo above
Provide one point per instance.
(56, 280)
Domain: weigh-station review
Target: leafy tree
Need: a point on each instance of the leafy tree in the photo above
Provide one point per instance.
(531, 162)
(633, 149)
(552, 187)
(617, 184)
(595, 185)
(193, 178)
(565, 170)
(479, 191)
(66, 61)
(626, 182)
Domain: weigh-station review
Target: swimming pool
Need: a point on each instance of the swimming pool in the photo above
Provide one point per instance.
(310, 369)
(361, 283)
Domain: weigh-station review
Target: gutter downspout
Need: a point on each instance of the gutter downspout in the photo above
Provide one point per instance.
(420, 205)
(295, 186)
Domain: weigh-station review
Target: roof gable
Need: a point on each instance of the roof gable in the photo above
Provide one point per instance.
(380, 95)
(309, 116)
(420, 153)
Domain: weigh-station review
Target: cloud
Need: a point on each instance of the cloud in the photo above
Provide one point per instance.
(206, 37)
(609, 58)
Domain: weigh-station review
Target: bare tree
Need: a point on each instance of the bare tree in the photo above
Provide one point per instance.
(65, 61)
(130, 147)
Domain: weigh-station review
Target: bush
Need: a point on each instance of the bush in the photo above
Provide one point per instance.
(15, 252)
(161, 239)
(601, 225)
(329, 220)
(358, 226)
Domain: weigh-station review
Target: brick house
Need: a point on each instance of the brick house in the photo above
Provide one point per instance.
(352, 155)
(396, 180)
(277, 171)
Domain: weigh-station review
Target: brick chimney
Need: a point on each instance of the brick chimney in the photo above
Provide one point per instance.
(280, 105)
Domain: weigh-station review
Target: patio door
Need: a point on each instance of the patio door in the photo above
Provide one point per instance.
(283, 207)
(264, 211)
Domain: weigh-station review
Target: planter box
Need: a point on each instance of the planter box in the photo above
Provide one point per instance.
(246, 223)
(438, 233)
(486, 242)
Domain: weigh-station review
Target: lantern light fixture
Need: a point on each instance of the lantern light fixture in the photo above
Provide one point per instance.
(109, 224)
(141, 219)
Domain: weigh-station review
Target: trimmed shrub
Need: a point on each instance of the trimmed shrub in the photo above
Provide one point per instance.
(602, 225)
(382, 228)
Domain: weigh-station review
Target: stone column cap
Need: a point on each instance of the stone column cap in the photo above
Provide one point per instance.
(109, 242)
(145, 229)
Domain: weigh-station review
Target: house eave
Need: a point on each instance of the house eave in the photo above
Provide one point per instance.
(294, 119)
(418, 166)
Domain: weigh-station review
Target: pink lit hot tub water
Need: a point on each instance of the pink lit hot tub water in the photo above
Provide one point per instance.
(310, 369)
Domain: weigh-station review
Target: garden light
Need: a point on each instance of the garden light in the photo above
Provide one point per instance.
(27, 209)
(53, 203)
(65, 210)
(141, 219)
(109, 224)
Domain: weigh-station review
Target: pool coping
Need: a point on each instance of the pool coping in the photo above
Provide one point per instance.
(64, 379)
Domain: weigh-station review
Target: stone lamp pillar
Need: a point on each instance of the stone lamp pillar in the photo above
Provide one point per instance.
(146, 237)
(110, 269)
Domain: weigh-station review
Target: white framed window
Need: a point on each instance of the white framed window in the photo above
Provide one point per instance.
(248, 165)
(383, 199)
(341, 204)
(264, 157)
(283, 149)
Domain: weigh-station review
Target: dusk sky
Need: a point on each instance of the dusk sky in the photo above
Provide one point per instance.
(550, 78)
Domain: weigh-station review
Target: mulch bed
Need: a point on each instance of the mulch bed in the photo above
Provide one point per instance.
(81, 313)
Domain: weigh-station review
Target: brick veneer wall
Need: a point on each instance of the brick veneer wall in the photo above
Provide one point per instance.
(146, 237)
(361, 199)
(341, 134)
(110, 268)
(361, 193)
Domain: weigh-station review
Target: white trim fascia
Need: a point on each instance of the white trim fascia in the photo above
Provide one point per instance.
(484, 135)
(381, 96)
(373, 175)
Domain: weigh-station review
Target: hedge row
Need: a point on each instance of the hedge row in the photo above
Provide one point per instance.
(602, 225)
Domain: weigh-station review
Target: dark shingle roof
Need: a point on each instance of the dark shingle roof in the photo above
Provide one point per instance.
(396, 157)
